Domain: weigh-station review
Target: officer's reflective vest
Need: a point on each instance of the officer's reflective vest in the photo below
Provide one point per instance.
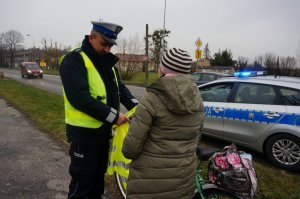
(97, 90)
(117, 162)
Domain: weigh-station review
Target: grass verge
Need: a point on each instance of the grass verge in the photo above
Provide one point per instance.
(139, 79)
(51, 72)
(46, 111)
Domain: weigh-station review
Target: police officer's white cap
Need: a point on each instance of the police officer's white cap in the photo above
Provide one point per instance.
(108, 30)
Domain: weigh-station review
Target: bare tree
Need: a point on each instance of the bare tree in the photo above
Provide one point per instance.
(46, 53)
(44, 43)
(2, 49)
(128, 49)
(258, 60)
(206, 52)
(270, 62)
(122, 45)
(52, 52)
(135, 45)
(298, 53)
(56, 54)
(12, 39)
(287, 65)
(242, 63)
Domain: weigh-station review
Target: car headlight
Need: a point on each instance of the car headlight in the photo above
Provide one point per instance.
(41, 71)
(29, 71)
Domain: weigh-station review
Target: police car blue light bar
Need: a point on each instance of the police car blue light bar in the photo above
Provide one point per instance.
(242, 74)
(249, 73)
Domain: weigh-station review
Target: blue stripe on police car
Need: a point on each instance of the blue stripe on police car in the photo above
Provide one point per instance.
(253, 116)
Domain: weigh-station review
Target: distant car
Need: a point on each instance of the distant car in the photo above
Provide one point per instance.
(262, 113)
(205, 77)
(31, 69)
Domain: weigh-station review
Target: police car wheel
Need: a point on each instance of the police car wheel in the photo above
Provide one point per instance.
(283, 150)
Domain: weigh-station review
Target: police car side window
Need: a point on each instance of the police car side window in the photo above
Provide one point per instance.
(216, 92)
(244, 94)
(290, 96)
(255, 94)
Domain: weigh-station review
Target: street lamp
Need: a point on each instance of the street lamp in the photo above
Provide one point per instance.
(29, 35)
(164, 30)
(33, 52)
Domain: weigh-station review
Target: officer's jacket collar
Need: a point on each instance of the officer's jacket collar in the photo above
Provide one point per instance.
(108, 59)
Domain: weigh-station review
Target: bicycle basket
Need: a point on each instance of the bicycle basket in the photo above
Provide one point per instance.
(232, 170)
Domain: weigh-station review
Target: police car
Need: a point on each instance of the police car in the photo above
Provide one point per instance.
(259, 112)
(204, 77)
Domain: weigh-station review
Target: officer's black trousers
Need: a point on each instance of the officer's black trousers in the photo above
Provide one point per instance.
(87, 168)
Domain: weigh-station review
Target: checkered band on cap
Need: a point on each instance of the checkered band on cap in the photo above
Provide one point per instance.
(177, 60)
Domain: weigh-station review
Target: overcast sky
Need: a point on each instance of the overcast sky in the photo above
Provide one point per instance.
(247, 27)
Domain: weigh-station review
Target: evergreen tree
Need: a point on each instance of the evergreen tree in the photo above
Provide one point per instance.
(158, 41)
(223, 58)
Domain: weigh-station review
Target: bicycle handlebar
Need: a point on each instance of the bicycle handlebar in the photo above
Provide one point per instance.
(205, 153)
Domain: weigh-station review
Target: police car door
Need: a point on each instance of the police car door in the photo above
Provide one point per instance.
(215, 98)
(252, 112)
(291, 98)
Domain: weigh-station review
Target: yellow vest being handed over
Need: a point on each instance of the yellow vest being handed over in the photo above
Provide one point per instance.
(97, 90)
(117, 162)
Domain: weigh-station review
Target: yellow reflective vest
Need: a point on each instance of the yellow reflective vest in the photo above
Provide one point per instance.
(117, 162)
(97, 90)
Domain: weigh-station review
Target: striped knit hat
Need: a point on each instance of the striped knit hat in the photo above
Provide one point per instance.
(176, 61)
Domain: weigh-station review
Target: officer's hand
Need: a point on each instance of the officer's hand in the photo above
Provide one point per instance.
(122, 119)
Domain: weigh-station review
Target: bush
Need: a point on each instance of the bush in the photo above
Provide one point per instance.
(126, 75)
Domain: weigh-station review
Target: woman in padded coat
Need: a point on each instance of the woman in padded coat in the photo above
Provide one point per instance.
(164, 134)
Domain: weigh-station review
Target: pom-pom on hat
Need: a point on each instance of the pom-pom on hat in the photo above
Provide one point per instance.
(176, 61)
(109, 31)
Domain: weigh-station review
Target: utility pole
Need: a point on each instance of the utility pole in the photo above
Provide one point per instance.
(146, 54)
(164, 29)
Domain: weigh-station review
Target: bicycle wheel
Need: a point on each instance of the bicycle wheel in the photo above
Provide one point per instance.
(120, 183)
(216, 193)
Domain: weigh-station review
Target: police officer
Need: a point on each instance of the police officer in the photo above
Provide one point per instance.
(92, 95)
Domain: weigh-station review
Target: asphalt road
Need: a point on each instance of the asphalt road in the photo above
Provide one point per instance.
(32, 165)
(52, 83)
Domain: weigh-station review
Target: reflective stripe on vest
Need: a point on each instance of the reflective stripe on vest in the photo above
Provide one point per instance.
(97, 90)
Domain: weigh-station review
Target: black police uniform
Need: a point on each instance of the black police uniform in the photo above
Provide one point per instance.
(90, 147)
